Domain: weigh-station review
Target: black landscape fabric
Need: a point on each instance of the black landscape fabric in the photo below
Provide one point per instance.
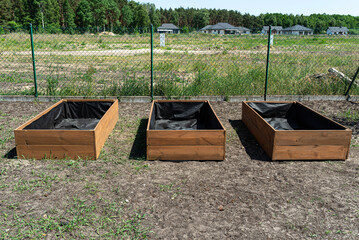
(292, 116)
(183, 116)
(72, 116)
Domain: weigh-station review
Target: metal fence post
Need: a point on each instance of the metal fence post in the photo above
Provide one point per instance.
(151, 62)
(351, 84)
(33, 59)
(267, 67)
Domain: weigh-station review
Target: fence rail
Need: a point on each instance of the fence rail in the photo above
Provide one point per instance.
(190, 64)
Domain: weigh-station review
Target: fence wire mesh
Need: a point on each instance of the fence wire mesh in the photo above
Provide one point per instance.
(303, 65)
(207, 64)
(73, 63)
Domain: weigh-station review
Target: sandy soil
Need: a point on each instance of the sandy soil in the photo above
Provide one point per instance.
(247, 196)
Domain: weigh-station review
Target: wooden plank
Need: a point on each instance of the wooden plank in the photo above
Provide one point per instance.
(89, 100)
(179, 100)
(54, 137)
(55, 151)
(149, 119)
(185, 152)
(105, 126)
(312, 137)
(261, 130)
(310, 152)
(40, 115)
(185, 137)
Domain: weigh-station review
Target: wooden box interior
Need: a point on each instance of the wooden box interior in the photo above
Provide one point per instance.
(292, 131)
(71, 128)
(184, 130)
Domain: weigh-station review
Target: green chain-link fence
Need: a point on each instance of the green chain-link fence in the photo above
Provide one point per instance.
(186, 64)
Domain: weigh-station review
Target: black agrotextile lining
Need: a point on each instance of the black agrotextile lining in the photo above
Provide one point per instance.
(292, 116)
(183, 116)
(72, 116)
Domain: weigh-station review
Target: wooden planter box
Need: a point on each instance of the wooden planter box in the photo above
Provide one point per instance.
(68, 129)
(184, 130)
(292, 131)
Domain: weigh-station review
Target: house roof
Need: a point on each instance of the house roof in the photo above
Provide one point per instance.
(278, 28)
(297, 28)
(168, 26)
(223, 26)
(338, 29)
(219, 26)
(206, 27)
(244, 29)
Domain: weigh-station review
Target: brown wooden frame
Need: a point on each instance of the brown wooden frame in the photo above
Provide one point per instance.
(73, 144)
(185, 144)
(297, 144)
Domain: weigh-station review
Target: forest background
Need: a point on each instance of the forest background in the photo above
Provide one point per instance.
(68, 16)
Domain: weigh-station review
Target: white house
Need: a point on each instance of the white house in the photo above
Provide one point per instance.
(224, 28)
(168, 28)
(337, 31)
(298, 30)
(276, 30)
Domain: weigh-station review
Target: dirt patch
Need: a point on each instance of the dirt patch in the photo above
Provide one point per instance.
(247, 196)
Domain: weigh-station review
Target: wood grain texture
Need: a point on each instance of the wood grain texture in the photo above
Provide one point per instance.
(50, 143)
(55, 151)
(310, 152)
(185, 137)
(298, 144)
(54, 137)
(105, 126)
(312, 137)
(185, 144)
(261, 130)
(185, 152)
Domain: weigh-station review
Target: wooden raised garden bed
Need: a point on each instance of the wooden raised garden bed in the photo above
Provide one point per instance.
(68, 129)
(292, 131)
(184, 130)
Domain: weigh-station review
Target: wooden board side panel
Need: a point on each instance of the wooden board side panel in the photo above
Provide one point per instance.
(310, 152)
(53, 137)
(185, 152)
(105, 126)
(183, 137)
(314, 137)
(262, 132)
(55, 151)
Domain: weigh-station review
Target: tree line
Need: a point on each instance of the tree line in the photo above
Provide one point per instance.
(111, 15)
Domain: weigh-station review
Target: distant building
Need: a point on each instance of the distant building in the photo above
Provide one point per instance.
(276, 30)
(337, 31)
(243, 30)
(298, 30)
(224, 28)
(168, 28)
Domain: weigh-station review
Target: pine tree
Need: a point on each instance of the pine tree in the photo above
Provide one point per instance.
(112, 14)
(6, 12)
(52, 12)
(68, 15)
(127, 16)
(83, 14)
(141, 17)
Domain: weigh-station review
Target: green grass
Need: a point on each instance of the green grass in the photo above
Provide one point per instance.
(81, 220)
(191, 64)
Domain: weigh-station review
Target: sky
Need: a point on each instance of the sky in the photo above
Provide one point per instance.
(256, 7)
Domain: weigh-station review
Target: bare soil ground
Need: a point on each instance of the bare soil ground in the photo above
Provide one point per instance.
(247, 196)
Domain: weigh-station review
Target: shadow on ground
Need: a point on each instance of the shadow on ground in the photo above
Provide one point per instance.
(138, 150)
(253, 149)
(11, 154)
